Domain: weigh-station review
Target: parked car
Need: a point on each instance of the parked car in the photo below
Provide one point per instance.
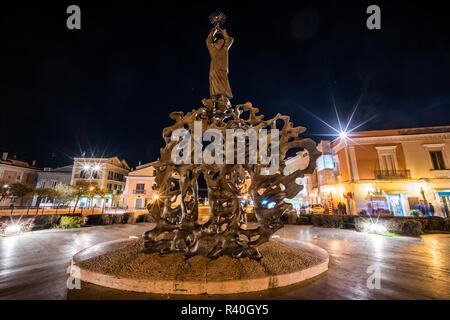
(316, 209)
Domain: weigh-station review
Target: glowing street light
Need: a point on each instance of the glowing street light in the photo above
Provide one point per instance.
(86, 167)
(343, 135)
(96, 168)
(13, 229)
(376, 228)
(343, 131)
(422, 185)
(156, 196)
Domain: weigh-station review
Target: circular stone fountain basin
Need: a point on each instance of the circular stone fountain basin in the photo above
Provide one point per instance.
(122, 265)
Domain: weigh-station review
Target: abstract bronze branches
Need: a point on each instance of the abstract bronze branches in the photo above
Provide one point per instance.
(230, 187)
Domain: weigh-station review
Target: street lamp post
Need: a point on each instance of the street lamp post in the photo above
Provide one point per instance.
(422, 184)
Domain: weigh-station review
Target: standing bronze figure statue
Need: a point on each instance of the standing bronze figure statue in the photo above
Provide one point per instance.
(232, 186)
(218, 71)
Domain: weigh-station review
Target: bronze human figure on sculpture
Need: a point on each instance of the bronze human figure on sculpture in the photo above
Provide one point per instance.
(218, 71)
(231, 187)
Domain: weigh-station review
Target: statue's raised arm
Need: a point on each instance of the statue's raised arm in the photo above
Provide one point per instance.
(210, 38)
(228, 40)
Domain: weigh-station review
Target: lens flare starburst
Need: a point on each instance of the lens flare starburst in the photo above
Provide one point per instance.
(343, 131)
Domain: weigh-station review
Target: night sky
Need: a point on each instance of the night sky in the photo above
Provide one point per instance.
(108, 88)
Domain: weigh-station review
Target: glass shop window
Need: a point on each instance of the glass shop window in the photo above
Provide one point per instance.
(325, 162)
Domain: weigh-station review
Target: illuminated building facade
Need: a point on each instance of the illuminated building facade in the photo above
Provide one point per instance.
(305, 196)
(49, 178)
(108, 173)
(138, 188)
(386, 171)
(16, 171)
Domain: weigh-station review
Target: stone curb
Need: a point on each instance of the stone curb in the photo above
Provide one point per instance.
(200, 287)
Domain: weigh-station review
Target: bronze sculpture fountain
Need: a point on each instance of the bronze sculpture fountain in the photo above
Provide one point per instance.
(232, 185)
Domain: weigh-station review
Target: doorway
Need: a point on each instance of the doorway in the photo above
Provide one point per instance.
(139, 203)
(444, 198)
(395, 205)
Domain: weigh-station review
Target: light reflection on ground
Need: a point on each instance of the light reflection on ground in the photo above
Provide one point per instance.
(33, 265)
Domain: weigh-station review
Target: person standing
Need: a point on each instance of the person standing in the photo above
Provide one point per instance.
(431, 210)
(341, 208)
(422, 208)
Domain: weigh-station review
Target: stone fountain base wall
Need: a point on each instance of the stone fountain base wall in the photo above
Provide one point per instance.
(184, 283)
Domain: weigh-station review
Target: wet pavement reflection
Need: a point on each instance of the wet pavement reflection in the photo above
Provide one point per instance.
(33, 265)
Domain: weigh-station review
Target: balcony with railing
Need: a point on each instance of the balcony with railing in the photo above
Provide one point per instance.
(117, 179)
(86, 176)
(118, 192)
(392, 174)
(138, 191)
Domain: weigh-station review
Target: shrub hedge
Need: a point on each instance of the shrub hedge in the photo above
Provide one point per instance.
(100, 219)
(129, 218)
(117, 218)
(304, 219)
(145, 218)
(401, 225)
(68, 222)
(36, 222)
(107, 219)
(333, 221)
(292, 218)
(49, 221)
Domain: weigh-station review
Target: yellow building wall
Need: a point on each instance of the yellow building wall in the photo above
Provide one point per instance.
(344, 170)
(367, 159)
(145, 176)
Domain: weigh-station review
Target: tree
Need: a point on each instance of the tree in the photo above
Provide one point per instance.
(83, 188)
(65, 193)
(44, 193)
(20, 190)
(96, 192)
(4, 190)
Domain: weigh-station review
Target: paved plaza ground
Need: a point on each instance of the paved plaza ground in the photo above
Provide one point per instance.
(33, 265)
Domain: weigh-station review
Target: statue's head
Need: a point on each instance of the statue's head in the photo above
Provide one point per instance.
(219, 42)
